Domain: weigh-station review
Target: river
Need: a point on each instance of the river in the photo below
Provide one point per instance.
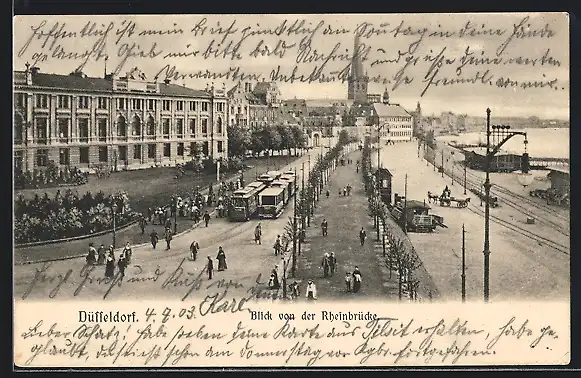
(549, 142)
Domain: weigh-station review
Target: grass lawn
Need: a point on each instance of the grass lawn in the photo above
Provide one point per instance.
(145, 188)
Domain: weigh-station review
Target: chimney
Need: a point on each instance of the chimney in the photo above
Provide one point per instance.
(167, 81)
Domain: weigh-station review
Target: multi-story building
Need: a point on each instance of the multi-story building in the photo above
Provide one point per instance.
(122, 122)
(373, 98)
(395, 122)
(254, 105)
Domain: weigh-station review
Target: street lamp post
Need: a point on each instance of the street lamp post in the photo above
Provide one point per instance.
(501, 133)
(295, 236)
(463, 264)
(442, 163)
(114, 209)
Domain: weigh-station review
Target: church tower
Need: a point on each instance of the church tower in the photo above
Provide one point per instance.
(357, 81)
(385, 97)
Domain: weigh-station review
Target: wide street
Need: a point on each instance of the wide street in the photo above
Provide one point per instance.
(521, 266)
(161, 274)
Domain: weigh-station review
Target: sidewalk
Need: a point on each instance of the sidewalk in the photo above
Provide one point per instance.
(345, 217)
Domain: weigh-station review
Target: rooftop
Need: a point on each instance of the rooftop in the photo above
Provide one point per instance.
(390, 110)
(97, 84)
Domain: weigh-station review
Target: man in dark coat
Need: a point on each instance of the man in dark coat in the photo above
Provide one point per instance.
(362, 236)
(154, 238)
(210, 267)
(324, 226)
(168, 238)
(142, 224)
(206, 218)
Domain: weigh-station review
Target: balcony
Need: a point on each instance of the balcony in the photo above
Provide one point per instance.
(41, 140)
(63, 139)
(84, 139)
(102, 138)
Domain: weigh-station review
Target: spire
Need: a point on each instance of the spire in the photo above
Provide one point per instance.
(356, 64)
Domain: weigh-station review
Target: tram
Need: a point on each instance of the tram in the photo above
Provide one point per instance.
(245, 202)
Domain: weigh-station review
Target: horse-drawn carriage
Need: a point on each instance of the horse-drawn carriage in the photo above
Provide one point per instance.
(447, 200)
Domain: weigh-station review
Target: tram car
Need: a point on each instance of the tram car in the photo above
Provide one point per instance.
(244, 202)
(268, 177)
(271, 202)
(292, 179)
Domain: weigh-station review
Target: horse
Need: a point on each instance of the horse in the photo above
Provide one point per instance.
(432, 197)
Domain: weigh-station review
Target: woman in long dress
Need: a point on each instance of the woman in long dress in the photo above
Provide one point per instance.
(356, 280)
(311, 292)
(221, 260)
(110, 267)
(275, 284)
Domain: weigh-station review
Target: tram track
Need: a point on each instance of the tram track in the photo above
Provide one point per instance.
(507, 196)
(523, 232)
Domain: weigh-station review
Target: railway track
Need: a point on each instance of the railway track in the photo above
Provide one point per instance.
(508, 197)
(523, 232)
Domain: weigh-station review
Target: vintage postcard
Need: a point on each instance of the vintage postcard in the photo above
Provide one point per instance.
(381, 190)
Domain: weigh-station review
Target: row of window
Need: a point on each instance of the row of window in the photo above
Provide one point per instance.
(83, 102)
(42, 155)
(63, 126)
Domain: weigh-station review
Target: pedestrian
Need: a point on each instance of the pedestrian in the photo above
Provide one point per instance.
(311, 292)
(168, 238)
(325, 265)
(324, 226)
(258, 234)
(167, 222)
(149, 214)
(194, 248)
(362, 236)
(356, 280)
(122, 264)
(274, 283)
(221, 257)
(348, 190)
(101, 255)
(110, 267)
(348, 281)
(328, 193)
(332, 263)
(357, 169)
(340, 192)
(206, 217)
(210, 267)
(142, 224)
(277, 246)
(344, 191)
(154, 238)
(127, 253)
(91, 255)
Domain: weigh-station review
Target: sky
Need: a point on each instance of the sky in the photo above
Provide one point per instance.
(50, 43)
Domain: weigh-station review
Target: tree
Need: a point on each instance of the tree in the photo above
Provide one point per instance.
(287, 137)
(196, 163)
(343, 137)
(257, 141)
(299, 137)
(239, 140)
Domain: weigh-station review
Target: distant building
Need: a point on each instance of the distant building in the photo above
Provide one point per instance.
(124, 122)
(560, 180)
(396, 123)
(254, 105)
(373, 98)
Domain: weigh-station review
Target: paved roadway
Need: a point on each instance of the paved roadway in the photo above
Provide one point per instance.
(246, 261)
(520, 268)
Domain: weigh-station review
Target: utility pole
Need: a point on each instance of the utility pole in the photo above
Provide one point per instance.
(442, 163)
(463, 264)
(295, 236)
(405, 206)
(464, 176)
(487, 212)
(452, 158)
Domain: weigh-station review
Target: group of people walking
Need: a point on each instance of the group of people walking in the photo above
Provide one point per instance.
(106, 256)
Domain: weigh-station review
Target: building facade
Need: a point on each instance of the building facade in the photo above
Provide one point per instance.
(394, 123)
(254, 105)
(121, 122)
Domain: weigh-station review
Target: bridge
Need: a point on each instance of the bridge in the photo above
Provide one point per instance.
(546, 162)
